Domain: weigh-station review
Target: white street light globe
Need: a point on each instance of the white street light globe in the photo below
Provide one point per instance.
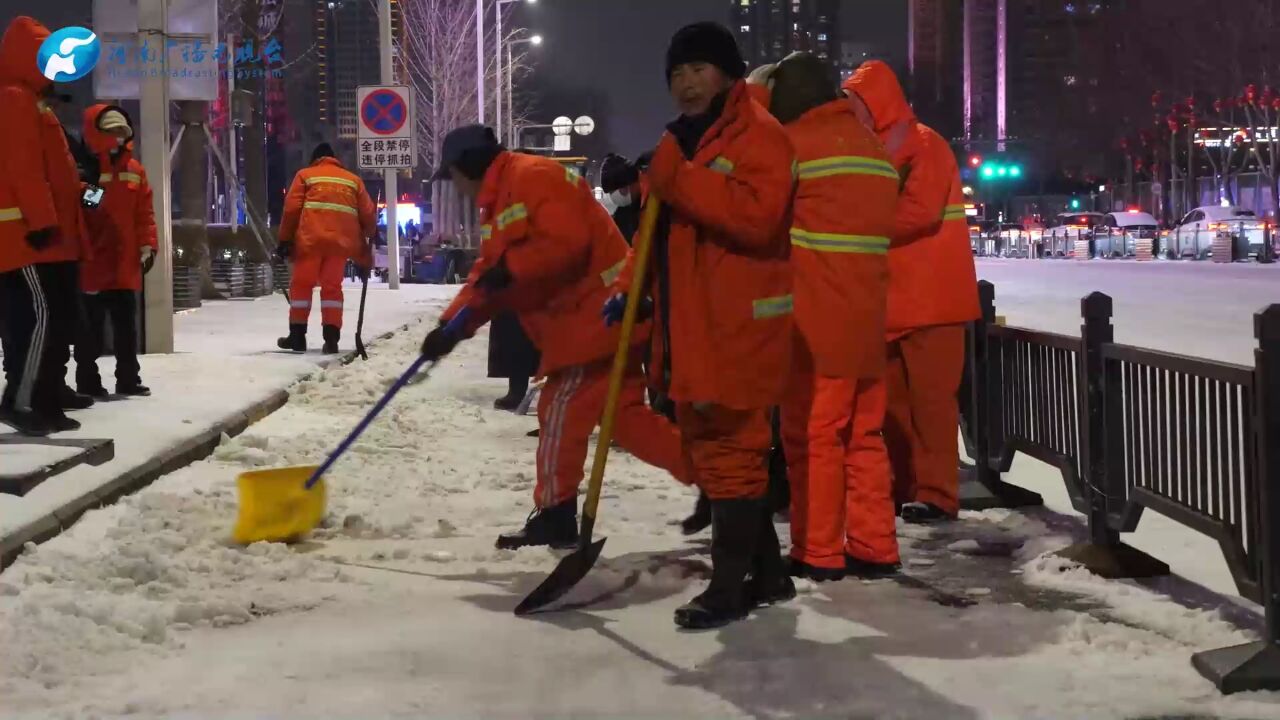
(536, 39)
(562, 125)
(584, 125)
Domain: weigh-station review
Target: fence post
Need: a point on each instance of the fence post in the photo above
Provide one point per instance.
(1256, 665)
(1103, 554)
(983, 488)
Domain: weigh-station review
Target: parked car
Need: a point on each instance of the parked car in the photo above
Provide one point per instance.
(1060, 240)
(1119, 234)
(1194, 235)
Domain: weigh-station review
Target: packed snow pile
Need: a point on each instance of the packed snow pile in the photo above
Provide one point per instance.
(400, 606)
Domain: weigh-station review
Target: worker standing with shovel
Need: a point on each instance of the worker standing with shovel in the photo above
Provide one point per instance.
(550, 253)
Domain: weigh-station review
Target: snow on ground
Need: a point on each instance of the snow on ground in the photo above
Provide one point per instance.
(225, 361)
(1198, 309)
(400, 606)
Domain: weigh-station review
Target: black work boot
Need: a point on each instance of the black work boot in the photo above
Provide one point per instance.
(735, 526)
(801, 569)
(769, 583)
(920, 513)
(331, 335)
(556, 526)
(296, 340)
(132, 389)
(866, 570)
(69, 399)
(700, 519)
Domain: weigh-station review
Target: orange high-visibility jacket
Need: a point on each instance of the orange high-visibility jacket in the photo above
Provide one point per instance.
(328, 212)
(840, 235)
(728, 270)
(39, 183)
(124, 222)
(563, 251)
(932, 278)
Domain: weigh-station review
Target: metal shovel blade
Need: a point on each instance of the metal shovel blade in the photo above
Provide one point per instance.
(572, 568)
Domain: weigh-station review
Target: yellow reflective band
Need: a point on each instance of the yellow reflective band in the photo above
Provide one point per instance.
(10, 214)
(312, 205)
(608, 276)
(106, 178)
(954, 212)
(766, 308)
(512, 215)
(486, 232)
(130, 177)
(795, 169)
(722, 164)
(846, 165)
(837, 243)
(319, 180)
(572, 176)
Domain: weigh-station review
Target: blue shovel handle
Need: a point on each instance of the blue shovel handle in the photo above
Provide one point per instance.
(455, 326)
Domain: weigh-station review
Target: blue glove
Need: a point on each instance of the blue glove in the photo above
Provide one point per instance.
(616, 306)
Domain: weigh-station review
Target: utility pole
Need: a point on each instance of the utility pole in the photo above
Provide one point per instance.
(480, 61)
(497, 73)
(154, 136)
(389, 176)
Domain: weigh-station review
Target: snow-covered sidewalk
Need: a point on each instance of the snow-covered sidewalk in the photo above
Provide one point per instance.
(401, 607)
(225, 372)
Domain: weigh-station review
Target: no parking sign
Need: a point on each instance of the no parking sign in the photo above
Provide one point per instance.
(386, 137)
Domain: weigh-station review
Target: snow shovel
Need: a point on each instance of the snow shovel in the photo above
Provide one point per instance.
(575, 566)
(364, 292)
(282, 504)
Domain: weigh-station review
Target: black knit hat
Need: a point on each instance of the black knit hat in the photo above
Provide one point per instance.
(323, 150)
(706, 42)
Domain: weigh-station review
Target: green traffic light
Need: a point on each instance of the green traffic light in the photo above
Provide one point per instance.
(988, 171)
(1015, 171)
(1002, 171)
(1075, 204)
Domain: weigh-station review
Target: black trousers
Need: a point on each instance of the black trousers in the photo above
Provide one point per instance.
(40, 321)
(121, 307)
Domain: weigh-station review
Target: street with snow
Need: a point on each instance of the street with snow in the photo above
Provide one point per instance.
(399, 605)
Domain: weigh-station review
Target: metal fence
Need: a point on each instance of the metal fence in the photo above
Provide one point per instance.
(1132, 429)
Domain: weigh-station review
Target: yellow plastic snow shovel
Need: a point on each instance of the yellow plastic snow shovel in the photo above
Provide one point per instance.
(578, 563)
(282, 504)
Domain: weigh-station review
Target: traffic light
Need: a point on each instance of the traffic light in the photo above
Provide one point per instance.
(1075, 203)
(1000, 169)
(975, 160)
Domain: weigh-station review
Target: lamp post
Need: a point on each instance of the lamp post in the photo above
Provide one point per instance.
(534, 40)
(497, 59)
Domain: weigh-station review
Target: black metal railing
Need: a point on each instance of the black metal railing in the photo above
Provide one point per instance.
(1131, 429)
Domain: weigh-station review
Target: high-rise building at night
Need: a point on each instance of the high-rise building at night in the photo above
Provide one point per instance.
(935, 39)
(769, 30)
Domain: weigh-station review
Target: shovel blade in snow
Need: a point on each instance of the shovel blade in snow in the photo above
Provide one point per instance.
(572, 568)
(277, 506)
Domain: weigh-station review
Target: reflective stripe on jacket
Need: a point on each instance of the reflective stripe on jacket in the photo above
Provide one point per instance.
(124, 221)
(846, 194)
(328, 212)
(563, 251)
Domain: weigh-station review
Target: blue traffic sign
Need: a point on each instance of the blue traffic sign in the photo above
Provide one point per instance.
(384, 112)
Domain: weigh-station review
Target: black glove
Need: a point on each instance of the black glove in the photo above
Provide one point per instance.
(438, 343)
(496, 278)
(42, 238)
(284, 250)
(617, 173)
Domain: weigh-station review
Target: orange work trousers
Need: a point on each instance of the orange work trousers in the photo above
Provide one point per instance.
(841, 490)
(569, 409)
(726, 450)
(922, 424)
(309, 272)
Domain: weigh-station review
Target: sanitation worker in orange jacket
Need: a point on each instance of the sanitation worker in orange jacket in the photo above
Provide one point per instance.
(842, 514)
(721, 287)
(328, 218)
(550, 252)
(122, 235)
(41, 236)
(933, 293)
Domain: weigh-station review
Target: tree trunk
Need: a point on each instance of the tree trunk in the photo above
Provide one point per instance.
(250, 89)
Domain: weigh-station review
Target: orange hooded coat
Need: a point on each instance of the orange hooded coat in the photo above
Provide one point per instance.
(932, 278)
(124, 222)
(729, 275)
(39, 183)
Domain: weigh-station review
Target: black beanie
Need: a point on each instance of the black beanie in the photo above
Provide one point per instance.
(801, 82)
(323, 150)
(706, 42)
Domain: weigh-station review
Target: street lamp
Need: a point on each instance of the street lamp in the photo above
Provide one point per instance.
(535, 40)
(497, 52)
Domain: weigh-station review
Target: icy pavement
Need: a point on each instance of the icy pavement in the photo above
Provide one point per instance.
(225, 362)
(400, 607)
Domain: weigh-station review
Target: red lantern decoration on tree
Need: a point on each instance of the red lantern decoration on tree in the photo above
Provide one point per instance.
(1250, 93)
(1156, 98)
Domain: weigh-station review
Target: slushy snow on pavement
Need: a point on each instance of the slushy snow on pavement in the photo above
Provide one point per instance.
(399, 606)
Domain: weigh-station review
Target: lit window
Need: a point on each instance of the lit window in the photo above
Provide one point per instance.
(746, 28)
(746, 3)
(822, 37)
(1070, 79)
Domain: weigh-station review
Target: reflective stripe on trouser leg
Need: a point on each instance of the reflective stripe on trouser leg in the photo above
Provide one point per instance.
(553, 405)
(331, 290)
(306, 274)
(818, 421)
(870, 520)
(39, 336)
